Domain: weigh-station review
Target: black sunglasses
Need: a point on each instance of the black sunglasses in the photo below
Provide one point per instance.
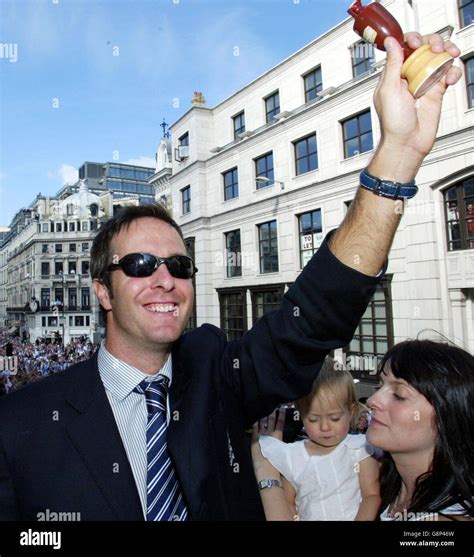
(145, 264)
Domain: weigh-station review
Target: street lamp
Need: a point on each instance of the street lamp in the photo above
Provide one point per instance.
(63, 280)
(264, 179)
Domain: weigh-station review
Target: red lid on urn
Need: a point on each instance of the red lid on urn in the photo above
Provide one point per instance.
(356, 8)
(374, 24)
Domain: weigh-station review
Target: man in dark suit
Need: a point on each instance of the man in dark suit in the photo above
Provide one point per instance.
(152, 426)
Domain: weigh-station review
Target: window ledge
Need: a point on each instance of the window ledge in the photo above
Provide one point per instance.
(466, 27)
(226, 201)
(457, 252)
(356, 157)
(314, 172)
(265, 188)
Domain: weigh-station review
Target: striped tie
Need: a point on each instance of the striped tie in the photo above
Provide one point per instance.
(164, 497)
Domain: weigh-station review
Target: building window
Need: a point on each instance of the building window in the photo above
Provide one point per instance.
(72, 268)
(88, 321)
(265, 299)
(85, 298)
(311, 235)
(94, 209)
(357, 132)
(272, 106)
(186, 200)
(45, 227)
(231, 184)
(182, 151)
(363, 58)
(85, 226)
(470, 81)
(268, 247)
(190, 250)
(52, 321)
(72, 248)
(466, 12)
(44, 248)
(264, 168)
(184, 140)
(85, 247)
(306, 154)
(374, 335)
(313, 84)
(45, 299)
(44, 269)
(233, 310)
(43, 321)
(72, 227)
(59, 227)
(58, 248)
(58, 267)
(84, 267)
(459, 207)
(233, 254)
(79, 321)
(72, 298)
(239, 124)
(59, 296)
(129, 186)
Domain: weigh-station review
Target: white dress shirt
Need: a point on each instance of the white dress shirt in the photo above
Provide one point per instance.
(130, 410)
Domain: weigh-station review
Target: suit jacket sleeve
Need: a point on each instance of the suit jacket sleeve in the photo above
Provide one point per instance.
(8, 503)
(278, 359)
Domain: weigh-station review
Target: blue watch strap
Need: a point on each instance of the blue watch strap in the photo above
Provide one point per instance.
(385, 188)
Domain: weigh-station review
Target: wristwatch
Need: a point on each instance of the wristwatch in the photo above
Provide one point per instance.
(262, 484)
(385, 188)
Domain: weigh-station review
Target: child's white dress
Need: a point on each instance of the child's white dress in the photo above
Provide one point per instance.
(327, 486)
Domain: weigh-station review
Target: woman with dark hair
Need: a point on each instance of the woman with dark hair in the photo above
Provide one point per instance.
(423, 419)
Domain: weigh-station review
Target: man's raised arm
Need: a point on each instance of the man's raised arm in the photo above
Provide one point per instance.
(408, 129)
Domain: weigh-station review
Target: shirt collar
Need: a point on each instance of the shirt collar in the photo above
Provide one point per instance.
(120, 378)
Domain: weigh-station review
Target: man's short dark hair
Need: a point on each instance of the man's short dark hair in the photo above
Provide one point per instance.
(101, 255)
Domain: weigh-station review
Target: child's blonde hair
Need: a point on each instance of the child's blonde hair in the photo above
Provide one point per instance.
(333, 382)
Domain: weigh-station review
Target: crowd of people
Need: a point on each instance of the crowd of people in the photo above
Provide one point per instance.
(25, 362)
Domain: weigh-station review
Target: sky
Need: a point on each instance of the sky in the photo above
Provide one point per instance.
(93, 79)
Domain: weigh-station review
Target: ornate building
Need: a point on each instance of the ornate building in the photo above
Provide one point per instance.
(160, 180)
(259, 179)
(49, 293)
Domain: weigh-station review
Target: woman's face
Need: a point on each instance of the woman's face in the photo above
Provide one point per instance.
(403, 421)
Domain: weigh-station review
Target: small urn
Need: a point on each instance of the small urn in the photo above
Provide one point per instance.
(422, 67)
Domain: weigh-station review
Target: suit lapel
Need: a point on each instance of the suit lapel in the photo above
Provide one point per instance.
(97, 439)
(180, 430)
